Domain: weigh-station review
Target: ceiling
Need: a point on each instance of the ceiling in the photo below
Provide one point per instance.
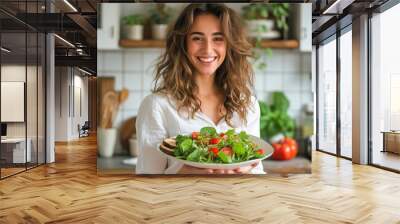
(76, 25)
(76, 22)
(330, 16)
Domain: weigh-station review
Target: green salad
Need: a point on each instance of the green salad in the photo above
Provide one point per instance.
(208, 146)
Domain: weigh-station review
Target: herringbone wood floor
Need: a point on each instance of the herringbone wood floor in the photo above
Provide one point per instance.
(70, 191)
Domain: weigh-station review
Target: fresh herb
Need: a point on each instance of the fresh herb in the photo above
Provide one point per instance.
(275, 119)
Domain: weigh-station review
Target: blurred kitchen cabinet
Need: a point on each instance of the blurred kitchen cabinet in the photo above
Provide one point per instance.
(303, 32)
(108, 26)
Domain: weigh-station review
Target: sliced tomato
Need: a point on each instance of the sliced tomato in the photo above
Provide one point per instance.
(214, 150)
(227, 150)
(195, 135)
(214, 141)
(260, 152)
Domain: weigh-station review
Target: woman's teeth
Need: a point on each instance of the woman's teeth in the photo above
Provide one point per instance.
(207, 59)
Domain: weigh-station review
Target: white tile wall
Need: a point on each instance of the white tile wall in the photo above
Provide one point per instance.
(273, 81)
(149, 59)
(292, 82)
(291, 61)
(275, 61)
(287, 70)
(112, 61)
(148, 81)
(133, 102)
(306, 62)
(133, 61)
(259, 82)
(133, 81)
(100, 62)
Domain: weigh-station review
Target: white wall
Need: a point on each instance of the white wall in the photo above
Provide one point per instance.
(33, 126)
(17, 73)
(68, 82)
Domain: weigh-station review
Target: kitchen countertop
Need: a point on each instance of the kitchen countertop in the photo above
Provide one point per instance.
(115, 166)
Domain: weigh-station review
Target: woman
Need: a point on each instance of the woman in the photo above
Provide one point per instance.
(203, 79)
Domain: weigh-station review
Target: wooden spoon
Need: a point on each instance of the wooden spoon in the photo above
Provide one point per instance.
(110, 107)
(123, 95)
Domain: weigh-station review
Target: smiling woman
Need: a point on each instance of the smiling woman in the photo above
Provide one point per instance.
(203, 79)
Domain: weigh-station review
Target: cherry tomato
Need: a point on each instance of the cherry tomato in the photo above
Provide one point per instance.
(214, 141)
(214, 150)
(195, 134)
(260, 151)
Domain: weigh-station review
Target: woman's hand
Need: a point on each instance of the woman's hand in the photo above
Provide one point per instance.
(194, 170)
(245, 169)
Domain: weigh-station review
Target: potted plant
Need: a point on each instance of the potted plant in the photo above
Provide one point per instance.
(275, 122)
(260, 20)
(280, 12)
(133, 26)
(160, 16)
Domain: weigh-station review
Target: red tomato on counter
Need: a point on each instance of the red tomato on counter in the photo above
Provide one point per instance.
(286, 149)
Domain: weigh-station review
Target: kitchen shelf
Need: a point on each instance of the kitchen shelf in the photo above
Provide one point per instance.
(284, 44)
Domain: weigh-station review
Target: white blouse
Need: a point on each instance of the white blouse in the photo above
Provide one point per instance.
(158, 119)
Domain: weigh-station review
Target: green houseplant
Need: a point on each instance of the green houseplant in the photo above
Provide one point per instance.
(274, 119)
(258, 20)
(280, 13)
(133, 26)
(261, 20)
(160, 16)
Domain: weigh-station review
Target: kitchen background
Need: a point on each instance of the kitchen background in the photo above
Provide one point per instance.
(287, 70)
(132, 67)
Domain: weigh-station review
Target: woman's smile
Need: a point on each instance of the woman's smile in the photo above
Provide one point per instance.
(207, 60)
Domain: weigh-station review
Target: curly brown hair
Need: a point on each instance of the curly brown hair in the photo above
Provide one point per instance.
(175, 74)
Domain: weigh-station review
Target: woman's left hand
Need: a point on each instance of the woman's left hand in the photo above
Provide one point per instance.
(240, 170)
(245, 169)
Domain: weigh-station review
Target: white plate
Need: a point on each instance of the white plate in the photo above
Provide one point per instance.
(261, 144)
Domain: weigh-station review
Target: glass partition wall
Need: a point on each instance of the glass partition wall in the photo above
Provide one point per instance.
(334, 94)
(383, 71)
(22, 88)
(326, 97)
(346, 94)
(385, 90)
